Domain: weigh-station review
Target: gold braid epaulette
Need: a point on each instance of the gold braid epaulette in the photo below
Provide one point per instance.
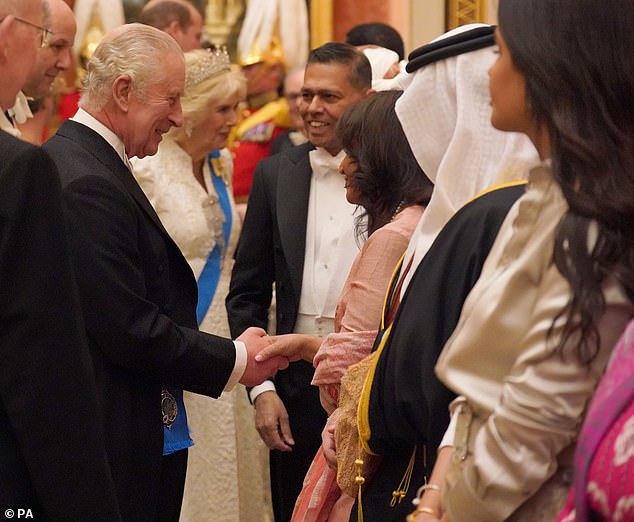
(277, 111)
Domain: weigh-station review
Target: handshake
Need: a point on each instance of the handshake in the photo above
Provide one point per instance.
(267, 354)
(257, 371)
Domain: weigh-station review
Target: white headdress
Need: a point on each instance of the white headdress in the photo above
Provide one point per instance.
(271, 23)
(381, 59)
(445, 114)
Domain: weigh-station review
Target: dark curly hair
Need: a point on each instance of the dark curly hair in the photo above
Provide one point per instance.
(389, 175)
(576, 56)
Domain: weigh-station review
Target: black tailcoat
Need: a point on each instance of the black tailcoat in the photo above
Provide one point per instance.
(271, 252)
(139, 299)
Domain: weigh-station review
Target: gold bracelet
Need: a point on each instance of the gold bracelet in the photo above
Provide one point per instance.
(422, 489)
(419, 494)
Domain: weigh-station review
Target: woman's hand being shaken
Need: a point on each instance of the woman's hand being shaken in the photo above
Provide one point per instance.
(294, 347)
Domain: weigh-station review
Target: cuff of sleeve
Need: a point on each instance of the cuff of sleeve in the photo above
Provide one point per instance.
(450, 434)
(258, 390)
(239, 366)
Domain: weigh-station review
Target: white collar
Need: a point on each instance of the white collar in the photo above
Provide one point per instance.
(83, 117)
(20, 112)
(7, 126)
(323, 163)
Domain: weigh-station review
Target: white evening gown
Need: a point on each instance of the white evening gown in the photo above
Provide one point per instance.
(227, 472)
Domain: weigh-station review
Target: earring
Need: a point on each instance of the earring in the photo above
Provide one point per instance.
(189, 127)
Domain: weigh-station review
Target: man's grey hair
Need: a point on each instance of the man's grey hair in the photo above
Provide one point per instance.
(134, 50)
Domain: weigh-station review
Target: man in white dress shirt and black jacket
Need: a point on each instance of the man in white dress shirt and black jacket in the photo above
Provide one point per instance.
(298, 234)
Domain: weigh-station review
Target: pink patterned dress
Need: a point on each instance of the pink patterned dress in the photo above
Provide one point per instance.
(357, 316)
(604, 462)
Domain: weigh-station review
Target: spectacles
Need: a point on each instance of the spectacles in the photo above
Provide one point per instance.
(46, 33)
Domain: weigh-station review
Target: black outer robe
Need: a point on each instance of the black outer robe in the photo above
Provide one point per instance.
(408, 405)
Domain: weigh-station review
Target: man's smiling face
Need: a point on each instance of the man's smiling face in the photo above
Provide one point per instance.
(326, 93)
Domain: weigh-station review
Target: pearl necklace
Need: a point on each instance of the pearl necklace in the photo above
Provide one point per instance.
(398, 208)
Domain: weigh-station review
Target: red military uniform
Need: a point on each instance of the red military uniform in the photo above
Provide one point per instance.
(252, 142)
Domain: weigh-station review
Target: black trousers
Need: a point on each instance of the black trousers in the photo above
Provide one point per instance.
(307, 419)
(173, 470)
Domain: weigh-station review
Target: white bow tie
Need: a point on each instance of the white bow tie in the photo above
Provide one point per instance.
(321, 161)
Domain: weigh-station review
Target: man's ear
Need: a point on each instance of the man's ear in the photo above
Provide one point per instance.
(122, 92)
(173, 29)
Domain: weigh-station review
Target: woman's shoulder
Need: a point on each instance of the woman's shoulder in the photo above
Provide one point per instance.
(169, 157)
(170, 164)
(395, 235)
(404, 222)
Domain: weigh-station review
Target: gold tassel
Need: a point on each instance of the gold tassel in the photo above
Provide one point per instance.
(359, 481)
(401, 491)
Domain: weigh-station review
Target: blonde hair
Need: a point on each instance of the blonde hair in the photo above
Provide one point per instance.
(133, 50)
(217, 87)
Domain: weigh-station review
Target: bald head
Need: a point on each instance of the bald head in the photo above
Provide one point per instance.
(19, 42)
(13, 6)
(57, 57)
(178, 18)
(292, 91)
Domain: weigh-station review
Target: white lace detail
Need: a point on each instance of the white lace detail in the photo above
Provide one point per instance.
(192, 216)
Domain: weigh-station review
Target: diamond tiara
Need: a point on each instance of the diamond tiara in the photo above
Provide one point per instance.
(207, 65)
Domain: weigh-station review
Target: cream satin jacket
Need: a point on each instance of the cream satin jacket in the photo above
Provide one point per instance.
(527, 402)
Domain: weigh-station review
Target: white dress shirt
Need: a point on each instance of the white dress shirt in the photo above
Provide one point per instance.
(331, 248)
(330, 243)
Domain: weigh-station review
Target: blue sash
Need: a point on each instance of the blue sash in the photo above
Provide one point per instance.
(208, 279)
(176, 437)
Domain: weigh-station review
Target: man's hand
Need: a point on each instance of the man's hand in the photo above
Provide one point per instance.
(255, 339)
(271, 421)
